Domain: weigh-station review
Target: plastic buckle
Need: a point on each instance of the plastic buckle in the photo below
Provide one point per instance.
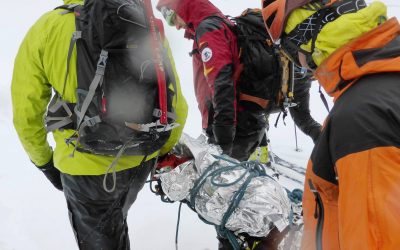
(288, 103)
(101, 64)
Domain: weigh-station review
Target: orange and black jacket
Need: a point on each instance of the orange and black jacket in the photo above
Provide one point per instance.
(353, 177)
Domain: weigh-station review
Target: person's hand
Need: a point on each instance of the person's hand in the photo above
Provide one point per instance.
(224, 136)
(52, 174)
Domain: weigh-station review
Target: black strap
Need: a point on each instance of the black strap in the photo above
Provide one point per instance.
(193, 52)
(312, 25)
(67, 7)
(322, 96)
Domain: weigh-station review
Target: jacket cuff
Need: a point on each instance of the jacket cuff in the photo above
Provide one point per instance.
(224, 135)
(42, 156)
(46, 166)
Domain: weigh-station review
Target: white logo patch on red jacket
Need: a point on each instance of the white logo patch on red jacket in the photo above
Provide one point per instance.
(206, 54)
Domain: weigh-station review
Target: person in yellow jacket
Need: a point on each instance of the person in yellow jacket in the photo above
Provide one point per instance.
(98, 217)
(351, 192)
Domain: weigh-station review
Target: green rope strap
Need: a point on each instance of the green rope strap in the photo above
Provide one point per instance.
(252, 168)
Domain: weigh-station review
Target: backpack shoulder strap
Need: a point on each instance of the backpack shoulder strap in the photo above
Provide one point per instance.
(68, 8)
(231, 26)
(58, 102)
(225, 19)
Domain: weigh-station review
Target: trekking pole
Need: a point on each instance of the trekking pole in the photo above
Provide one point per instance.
(292, 69)
(177, 226)
(295, 136)
(271, 157)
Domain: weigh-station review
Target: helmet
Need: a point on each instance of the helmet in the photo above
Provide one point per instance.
(315, 15)
(275, 14)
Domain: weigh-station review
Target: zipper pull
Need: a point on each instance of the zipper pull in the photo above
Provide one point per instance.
(316, 209)
(315, 193)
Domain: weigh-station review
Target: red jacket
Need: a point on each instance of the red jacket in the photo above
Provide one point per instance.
(215, 60)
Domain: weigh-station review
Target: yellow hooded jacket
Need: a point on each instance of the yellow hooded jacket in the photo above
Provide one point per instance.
(40, 65)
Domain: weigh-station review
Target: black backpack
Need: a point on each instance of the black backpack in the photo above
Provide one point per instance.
(124, 104)
(265, 78)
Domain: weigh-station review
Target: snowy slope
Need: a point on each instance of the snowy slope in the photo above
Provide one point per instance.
(33, 214)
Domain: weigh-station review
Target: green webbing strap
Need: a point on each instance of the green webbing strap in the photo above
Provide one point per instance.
(222, 230)
(97, 81)
(198, 184)
(252, 168)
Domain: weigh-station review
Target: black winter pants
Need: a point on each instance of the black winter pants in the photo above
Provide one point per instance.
(98, 218)
(250, 130)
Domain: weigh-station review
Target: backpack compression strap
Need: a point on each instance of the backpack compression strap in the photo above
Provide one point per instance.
(97, 81)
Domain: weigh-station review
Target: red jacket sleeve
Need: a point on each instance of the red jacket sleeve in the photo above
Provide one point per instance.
(215, 42)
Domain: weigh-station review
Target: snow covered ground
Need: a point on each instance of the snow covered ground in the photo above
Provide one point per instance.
(33, 214)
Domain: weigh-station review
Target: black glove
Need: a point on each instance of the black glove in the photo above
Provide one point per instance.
(224, 135)
(52, 173)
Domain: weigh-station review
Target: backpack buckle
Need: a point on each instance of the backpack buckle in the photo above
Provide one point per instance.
(102, 62)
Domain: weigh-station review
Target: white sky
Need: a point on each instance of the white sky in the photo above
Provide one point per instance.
(33, 215)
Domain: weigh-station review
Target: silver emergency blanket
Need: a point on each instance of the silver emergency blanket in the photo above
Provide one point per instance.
(265, 203)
